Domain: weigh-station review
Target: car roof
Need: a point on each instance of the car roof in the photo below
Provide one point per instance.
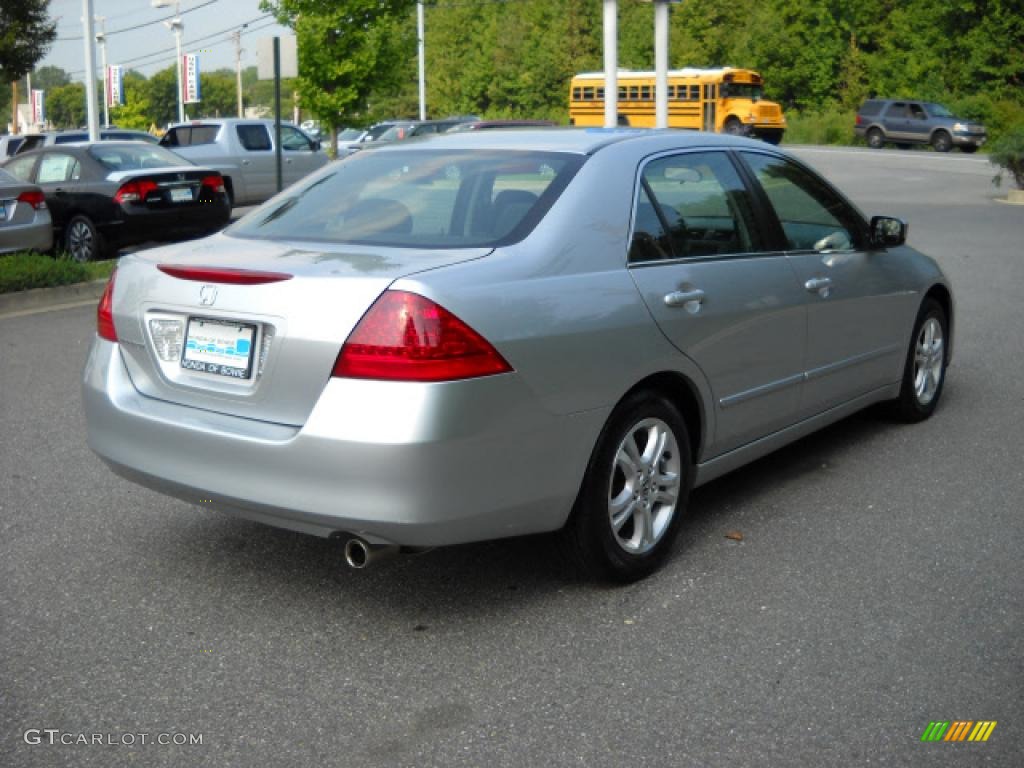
(582, 141)
(228, 121)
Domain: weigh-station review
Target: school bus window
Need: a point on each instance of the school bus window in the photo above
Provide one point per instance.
(694, 93)
(622, 92)
(600, 94)
(634, 92)
(576, 94)
(588, 93)
(645, 92)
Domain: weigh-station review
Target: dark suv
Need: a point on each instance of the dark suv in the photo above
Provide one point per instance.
(916, 122)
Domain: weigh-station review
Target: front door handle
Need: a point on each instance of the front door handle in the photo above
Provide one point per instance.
(682, 298)
(819, 285)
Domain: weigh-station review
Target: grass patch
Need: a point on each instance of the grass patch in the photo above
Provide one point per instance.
(24, 270)
(830, 126)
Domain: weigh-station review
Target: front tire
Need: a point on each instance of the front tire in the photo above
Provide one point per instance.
(875, 139)
(82, 240)
(634, 493)
(924, 372)
(942, 141)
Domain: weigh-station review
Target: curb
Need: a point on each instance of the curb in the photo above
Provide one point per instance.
(46, 298)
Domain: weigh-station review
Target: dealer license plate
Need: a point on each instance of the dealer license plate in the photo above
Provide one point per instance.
(181, 195)
(219, 347)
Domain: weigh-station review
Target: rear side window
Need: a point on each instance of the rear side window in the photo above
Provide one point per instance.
(701, 203)
(420, 199)
(896, 109)
(254, 138)
(12, 145)
(21, 168)
(871, 108)
(189, 135)
(812, 215)
(57, 167)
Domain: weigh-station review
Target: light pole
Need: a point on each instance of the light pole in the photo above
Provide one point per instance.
(611, 63)
(237, 37)
(177, 28)
(422, 64)
(89, 41)
(101, 38)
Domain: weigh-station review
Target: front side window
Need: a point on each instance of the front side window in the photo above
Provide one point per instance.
(292, 139)
(21, 168)
(57, 167)
(812, 215)
(254, 138)
(701, 203)
(418, 199)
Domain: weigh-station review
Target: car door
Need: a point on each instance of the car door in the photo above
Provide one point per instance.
(917, 123)
(894, 121)
(717, 294)
(257, 160)
(856, 299)
(298, 155)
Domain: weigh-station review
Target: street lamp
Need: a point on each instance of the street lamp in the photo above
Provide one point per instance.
(177, 28)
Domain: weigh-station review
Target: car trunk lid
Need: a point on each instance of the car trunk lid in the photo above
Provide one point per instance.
(247, 327)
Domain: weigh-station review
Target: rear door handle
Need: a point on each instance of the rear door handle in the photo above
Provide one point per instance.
(682, 298)
(819, 285)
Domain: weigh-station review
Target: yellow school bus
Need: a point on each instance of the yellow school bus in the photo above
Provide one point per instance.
(725, 100)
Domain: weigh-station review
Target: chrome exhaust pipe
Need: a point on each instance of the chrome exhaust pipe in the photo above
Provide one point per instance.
(359, 553)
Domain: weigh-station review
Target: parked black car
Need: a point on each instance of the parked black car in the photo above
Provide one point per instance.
(108, 194)
(916, 122)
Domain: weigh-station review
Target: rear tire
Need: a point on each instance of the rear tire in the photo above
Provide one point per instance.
(634, 494)
(875, 139)
(82, 240)
(924, 372)
(942, 141)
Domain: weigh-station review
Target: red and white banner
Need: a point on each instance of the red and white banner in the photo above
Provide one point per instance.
(38, 104)
(115, 86)
(190, 78)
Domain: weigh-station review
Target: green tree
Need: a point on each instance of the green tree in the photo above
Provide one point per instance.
(26, 34)
(65, 105)
(346, 49)
(135, 113)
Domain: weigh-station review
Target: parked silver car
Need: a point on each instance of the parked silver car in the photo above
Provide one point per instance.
(499, 333)
(243, 152)
(25, 223)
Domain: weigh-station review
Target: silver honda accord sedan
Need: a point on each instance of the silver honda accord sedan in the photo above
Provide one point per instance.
(489, 334)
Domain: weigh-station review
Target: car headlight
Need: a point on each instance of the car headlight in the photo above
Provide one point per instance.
(960, 127)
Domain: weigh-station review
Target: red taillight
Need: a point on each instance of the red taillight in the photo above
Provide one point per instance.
(135, 191)
(405, 337)
(105, 312)
(33, 197)
(214, 182)
(858, 120)
(223, 275)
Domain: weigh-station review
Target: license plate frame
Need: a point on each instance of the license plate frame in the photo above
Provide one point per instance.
(181, 195)
(215, 347)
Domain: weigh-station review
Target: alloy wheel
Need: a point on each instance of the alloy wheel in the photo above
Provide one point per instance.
(929, 358)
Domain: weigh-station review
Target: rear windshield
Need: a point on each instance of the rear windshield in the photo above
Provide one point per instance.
(70, 138)
(134, 157)
(350, 134)
(418, 199)
(190, 135)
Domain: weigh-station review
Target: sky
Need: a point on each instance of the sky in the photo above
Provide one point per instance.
(151, 48)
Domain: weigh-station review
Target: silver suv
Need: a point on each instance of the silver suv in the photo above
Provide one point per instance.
(916, 122)
(243, 151)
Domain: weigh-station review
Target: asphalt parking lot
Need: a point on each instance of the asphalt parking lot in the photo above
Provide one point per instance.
(878, 585)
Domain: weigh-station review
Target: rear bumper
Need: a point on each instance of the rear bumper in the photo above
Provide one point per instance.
(137, 224)
(35, 236)
(408, 464)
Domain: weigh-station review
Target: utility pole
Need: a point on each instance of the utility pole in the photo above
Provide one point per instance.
(611, 63)
(661, 64)
(422, 64)
(28, 92)
(89, 40)
(101, 38)
(14, 107)
(237, 37)
(177, 28)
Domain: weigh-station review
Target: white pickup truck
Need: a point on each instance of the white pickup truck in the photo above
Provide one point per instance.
(243, 151)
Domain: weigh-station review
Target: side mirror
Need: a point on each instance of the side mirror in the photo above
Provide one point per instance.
(888, 231)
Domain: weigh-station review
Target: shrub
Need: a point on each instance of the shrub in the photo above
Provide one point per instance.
(21, 271)
(1008, 153)
(827, 126)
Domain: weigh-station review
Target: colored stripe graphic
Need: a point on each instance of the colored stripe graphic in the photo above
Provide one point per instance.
(982, 730)
(958, 730)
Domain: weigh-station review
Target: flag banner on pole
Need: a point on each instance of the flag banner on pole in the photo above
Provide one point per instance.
(190, 78)
(38, 101)
(115, 86)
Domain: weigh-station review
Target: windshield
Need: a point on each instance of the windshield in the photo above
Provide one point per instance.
(937, 110)
(395, 133)
(742, 91)
(350, 134)
(134, 157)
(421, 199)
